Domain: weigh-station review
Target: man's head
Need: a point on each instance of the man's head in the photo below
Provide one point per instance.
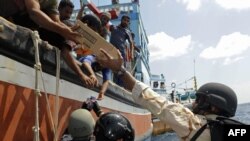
(105, 18)
(125, 21)
(65, 8)
(215, 98)
(81, 125)
(113, 126)
(93, 22)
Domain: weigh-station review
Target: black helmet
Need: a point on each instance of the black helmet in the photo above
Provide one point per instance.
(113, 126)
(218, 95)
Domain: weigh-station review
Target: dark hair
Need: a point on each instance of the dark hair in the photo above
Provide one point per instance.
(125, 16)
(65, 3)
(93, 22)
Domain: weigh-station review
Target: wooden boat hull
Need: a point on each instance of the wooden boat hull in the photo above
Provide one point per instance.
(17, 105)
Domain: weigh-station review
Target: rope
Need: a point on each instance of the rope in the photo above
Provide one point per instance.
(36, 41)
(48, 105)
(37, 66)
(55, 121)
(137, 60)
(58, 53)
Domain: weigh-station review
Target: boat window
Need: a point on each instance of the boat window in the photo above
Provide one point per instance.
(131, 8)
(162, 85)
(121, 8)
(155, 84)
(115, 1)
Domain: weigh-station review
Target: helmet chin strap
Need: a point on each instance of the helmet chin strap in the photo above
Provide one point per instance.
(201, 108)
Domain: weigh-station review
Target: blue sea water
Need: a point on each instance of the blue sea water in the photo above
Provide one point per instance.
(242, 114)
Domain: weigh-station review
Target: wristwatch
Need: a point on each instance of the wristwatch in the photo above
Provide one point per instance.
(121, 72)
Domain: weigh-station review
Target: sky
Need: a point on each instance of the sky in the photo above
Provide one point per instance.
(214, 33)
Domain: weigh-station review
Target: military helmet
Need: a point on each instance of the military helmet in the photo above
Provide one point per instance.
(113, 126)
(218, 95)
(81, 124)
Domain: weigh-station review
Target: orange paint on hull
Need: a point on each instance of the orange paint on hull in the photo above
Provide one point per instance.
(17, 114)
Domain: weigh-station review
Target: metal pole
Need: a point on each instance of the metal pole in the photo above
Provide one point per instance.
(194, 67)
(195, 81)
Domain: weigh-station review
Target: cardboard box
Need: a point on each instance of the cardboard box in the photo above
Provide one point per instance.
(93, 41)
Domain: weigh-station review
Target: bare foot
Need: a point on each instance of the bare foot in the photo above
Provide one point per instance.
(100, 97)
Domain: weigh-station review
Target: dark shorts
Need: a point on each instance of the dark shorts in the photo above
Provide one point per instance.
(91, 59)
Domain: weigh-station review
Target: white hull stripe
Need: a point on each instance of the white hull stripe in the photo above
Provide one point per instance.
(16, 73)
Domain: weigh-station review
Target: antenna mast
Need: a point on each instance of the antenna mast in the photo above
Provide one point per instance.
(195, 82)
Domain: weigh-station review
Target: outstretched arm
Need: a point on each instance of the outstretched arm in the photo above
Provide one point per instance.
(116, 66)
(73, 65)
(80, 12)
(184, 123)
(49, 22)
(92, 76)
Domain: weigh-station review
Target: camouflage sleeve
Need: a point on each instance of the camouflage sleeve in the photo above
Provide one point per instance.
(178, 117)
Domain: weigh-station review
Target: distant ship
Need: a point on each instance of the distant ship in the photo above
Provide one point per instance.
(25, 115)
